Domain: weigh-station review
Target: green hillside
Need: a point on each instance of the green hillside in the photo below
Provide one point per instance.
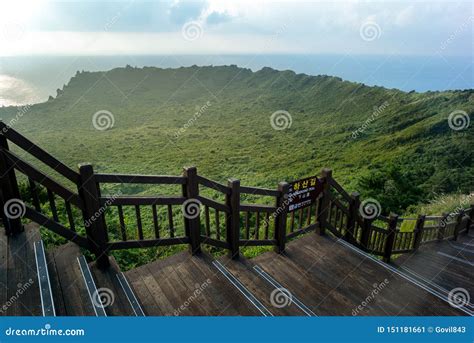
(218, 118)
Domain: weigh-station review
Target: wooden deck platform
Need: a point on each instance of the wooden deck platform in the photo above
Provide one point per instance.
(318, 275)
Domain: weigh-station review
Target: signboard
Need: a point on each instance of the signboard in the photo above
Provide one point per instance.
(303, 193)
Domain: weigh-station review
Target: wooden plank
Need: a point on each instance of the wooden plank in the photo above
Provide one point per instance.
(231, 302)
(213, 185)
(146, 179)
(43, 179)
(143, 292)
(213, 204)
(75, 296)
(142, 200)
(56, 227)
(257, 208)
(243, 270)
(147, 243)
(56, 289)
(259, 191)
(39, 153)
(171, 294)
(115, 300)
(3, 269)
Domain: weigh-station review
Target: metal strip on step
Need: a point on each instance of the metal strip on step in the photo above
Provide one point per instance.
(461, 248)
(46, 294)
(242, 289)
(132, 299)
(291, 297)
(431, 283)
(403, 275)
(94, 295)
(469, 263)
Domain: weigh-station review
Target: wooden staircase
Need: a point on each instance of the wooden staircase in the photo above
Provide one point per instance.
(317, 275)
(22, 295)
(19, 293)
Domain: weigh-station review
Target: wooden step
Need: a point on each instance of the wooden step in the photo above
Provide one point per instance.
(20, 294)
(272, 298)
(335, 280)
(433, 262)
(185, 285)
(111, 291)
(67, 282)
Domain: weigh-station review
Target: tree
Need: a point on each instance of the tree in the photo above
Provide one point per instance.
(392, 187)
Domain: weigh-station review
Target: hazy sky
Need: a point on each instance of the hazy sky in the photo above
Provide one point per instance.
(34, 27)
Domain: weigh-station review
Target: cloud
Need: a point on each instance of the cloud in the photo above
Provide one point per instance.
(312, 26)
(218, 18)
(183, 11)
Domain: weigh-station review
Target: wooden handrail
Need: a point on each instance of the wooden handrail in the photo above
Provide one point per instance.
(259, 191)
(142, 200)
(146, 179)
(34, 150)
(41, 178)
(330, 210)
(213, 185)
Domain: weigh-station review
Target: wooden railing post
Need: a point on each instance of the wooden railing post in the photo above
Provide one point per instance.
(442, 226)
(192, 224)
(281, 216)
(458, 226)
(471, 219)
(354, 205)
(93, 217)
(419, 227)
(10, 193)
(323, 210)
(233, 218)
(392, 230)
(365, 235)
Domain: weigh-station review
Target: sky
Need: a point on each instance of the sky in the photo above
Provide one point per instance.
(41, 27)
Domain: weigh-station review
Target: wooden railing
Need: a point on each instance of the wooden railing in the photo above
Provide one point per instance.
(227, 219)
